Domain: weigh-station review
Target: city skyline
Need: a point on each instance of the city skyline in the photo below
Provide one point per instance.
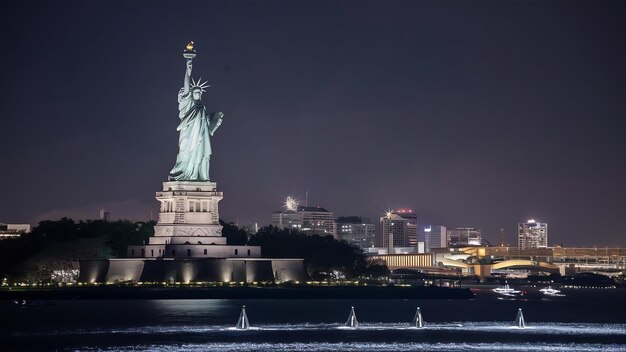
(483, 117)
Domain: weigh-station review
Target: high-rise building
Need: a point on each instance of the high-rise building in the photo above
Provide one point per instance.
(532, 234)
(310, 220)
(412, 228)
(317, 221)
(435, 237)
(354, 229)
(463, 236)
(395, 231)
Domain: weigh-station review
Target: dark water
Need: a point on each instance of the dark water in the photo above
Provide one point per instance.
(582, 320)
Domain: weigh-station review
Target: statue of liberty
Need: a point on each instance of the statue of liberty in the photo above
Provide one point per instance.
(196, 127)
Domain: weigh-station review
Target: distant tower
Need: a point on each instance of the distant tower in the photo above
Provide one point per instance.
(502, 239)
(105, 215)
(532, 234)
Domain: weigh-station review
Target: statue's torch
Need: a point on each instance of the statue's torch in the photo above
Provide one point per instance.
(189, 52)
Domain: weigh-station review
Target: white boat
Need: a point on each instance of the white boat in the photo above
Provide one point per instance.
(550, 291)
(506, 290)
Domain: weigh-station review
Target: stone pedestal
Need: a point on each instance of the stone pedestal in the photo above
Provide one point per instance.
(188, 210)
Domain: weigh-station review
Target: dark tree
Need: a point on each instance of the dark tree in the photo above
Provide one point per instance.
(235, 236)
(58, 245)
(323, 255)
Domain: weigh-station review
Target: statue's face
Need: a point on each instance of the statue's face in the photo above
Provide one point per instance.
(197, 94)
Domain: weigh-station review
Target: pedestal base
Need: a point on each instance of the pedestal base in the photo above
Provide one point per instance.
(171, 230)
(189, 203)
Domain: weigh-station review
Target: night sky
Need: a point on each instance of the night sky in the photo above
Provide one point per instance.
(474, 114)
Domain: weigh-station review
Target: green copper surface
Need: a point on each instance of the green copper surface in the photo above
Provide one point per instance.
(195, 128)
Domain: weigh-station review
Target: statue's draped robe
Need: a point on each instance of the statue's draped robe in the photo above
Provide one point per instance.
(192, 162)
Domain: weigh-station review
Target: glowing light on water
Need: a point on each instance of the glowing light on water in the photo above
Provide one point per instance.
(452, 327)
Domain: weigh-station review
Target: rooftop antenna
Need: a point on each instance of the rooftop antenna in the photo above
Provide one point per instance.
(306, 198)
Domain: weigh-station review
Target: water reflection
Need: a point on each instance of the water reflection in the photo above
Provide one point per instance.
(190, 307)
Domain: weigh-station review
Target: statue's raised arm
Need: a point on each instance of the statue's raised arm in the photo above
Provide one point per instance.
(187, 81)
(189, 54)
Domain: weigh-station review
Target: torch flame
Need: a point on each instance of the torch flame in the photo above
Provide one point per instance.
(189, 46)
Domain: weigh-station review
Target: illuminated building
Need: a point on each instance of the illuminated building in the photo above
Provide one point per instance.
(399, 229)
(309, 220)
(287, 220)
(567, 261)
(13, 230)
(532, 234)
(411, 260)
(411, 225)
(317, 221)
(353, 229)
(463, 236)
(435, 237)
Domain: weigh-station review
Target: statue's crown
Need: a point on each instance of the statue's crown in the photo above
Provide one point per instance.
(199, 84)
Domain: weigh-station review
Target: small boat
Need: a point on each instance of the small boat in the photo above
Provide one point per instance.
(550, 291)
(506, 290)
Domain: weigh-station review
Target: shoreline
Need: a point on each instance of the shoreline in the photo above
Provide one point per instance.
(249, 292)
